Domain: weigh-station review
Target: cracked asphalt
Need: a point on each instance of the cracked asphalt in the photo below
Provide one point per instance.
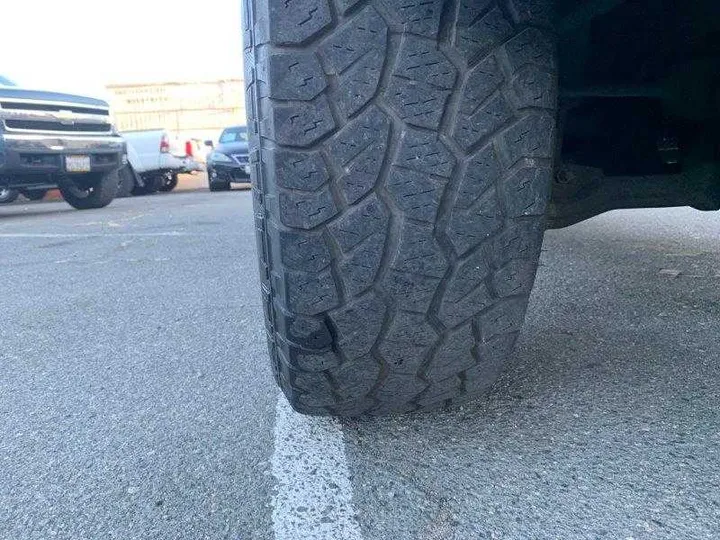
(136, 399)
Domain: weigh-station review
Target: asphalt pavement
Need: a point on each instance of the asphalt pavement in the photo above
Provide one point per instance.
(136, 399)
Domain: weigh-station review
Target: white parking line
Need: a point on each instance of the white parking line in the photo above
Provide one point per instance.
(313, 500)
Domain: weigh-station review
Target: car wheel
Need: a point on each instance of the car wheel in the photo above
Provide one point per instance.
(8, 195)
(126, 183)
(404, 162)
(219, 186)
(90, 191)
(169, 182)
(151, 185)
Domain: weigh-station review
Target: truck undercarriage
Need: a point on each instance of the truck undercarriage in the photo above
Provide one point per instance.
(639, 107)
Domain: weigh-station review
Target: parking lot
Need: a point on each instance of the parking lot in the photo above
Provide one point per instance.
(136, 399)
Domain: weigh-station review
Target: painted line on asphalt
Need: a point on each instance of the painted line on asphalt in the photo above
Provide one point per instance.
(313, 500)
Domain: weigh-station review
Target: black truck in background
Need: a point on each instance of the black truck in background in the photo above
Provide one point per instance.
(55, 140)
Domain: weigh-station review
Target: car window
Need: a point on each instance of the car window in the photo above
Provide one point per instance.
(5, 81)
(233, 135)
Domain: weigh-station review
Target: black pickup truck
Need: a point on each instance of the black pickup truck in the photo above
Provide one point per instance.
(54, 140)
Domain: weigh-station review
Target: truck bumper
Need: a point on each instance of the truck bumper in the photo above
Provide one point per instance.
(30, 159)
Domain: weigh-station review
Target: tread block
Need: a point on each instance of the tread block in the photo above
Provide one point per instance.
(356, 377)
(417, 194)
(419, 252)
(482, 82)
(295, 21)
(531, 46)
(492, 355)
(422, 82)
(372, 127)
(440, 391)
(483, 171)
(359, 150)
(537, 12)
(479, 32)
(496, 349)
(505, 317)
(359, 84)
(420, 17)
(516, 277)
(471, 226)
(526, 191)
(362, 174)
(356, 54)
(402, 386)
(306, 210)
(317, 390)
(467, 276)
(306, 332)
(362, 34)
(411, 292)
(417, 103)
(310, 361)
(454, 355)
(425, 152)
(530, 137)
(362, 265)
(457, 311)
(304, 251)
(295, 75)
(359, 223)
(358, 325)
(481, 377)
(353, 407)
(493, 114)
(297, 170)
(302, 123)
(421, 60)
(407, 342)
(520, 239)
(534, 86)
(310, 294)
(345, 5)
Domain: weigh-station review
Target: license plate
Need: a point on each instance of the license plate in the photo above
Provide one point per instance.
(77, 164)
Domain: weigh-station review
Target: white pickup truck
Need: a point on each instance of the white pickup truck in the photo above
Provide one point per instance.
(155, 158)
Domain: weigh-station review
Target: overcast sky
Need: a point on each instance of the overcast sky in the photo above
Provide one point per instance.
(83, 45)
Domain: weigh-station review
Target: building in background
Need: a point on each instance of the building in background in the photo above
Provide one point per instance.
(197, 110)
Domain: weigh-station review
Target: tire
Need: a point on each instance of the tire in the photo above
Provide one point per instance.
(35, 194)
(219, 186)
(152, 186)
(169, 182)
(126, 183)
(91, 191)
(402, 155)
(8, 195)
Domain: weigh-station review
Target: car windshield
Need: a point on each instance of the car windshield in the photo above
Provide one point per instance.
(5, 81)
(231, 135)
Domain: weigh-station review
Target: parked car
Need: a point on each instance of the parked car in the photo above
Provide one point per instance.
(8, 195)
(155, 158)
(410, 158)
(228, 163)
(56, 140)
